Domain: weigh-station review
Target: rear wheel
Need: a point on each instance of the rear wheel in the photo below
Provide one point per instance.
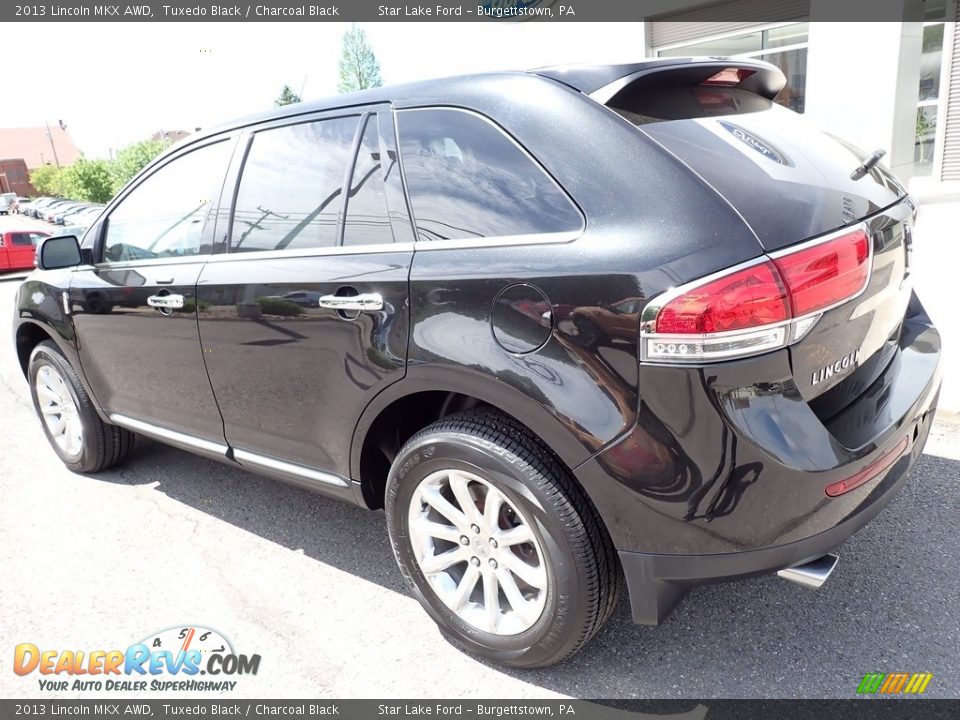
(76, 433)
(499, 543)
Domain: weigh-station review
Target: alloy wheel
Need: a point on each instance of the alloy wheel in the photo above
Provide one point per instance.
(478, 552)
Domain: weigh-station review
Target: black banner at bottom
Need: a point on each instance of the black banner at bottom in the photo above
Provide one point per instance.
(912, 709)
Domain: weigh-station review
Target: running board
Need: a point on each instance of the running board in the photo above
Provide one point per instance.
(811, 574)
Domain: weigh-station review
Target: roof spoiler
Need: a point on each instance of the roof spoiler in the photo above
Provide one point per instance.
(604, 82)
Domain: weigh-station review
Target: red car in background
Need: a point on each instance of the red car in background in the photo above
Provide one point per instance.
(17, 249)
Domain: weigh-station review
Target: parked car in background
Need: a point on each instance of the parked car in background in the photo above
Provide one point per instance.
(69, 214)
(624, 322)
(38, 208)
(18, 248)
(7, 203)
(53, 209)
(78, 223)
(30, 209)
(19, 203)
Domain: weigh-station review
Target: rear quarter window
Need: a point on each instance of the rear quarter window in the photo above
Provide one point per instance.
(467, 179)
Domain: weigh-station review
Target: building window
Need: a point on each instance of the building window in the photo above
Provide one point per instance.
(928, 93)
(782, 45)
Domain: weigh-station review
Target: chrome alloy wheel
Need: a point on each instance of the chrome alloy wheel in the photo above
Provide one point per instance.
(59, 410)
(478, 552)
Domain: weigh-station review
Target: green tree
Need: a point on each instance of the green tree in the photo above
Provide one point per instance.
(287, 97)
(358, 66)
(88, 180)
(131, 160)
(48, 180)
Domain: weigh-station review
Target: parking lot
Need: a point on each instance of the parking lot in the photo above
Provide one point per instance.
(170, 540)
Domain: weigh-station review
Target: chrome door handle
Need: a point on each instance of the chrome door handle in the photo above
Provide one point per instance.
(367, 301)
(166, 302)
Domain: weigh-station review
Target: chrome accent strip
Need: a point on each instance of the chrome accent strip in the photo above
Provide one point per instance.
(148, 262)
(317, 476)
(312, 252)
(500, 241)
(168, 435)
(652, 309)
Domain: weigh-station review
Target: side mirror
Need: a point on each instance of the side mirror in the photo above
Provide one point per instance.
(55, 253)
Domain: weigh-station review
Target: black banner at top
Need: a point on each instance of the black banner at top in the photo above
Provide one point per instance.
(463, 11)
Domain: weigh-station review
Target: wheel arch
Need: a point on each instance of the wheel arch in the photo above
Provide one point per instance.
(428, 394)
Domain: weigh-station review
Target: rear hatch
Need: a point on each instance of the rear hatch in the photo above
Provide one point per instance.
(791, 183)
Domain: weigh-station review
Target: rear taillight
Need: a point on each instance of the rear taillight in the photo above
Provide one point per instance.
(768, 304)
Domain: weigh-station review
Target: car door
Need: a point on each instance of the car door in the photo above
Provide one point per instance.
(23, 248)
(135, 308)
(304, 318)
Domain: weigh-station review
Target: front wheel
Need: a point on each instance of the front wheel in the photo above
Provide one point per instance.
(76, 433)
(500, 545)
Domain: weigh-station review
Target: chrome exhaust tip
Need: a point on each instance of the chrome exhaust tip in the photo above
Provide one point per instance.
(812, 574)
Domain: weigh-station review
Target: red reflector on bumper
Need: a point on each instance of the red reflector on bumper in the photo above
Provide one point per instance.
(868, 473)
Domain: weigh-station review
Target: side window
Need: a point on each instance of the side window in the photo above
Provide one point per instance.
(21, 238)
(467, 179)
(35, 238)
(367, 221)
(164, 216)
(291, 186)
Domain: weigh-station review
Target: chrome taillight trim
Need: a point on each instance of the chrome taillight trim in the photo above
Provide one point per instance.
(797, 328)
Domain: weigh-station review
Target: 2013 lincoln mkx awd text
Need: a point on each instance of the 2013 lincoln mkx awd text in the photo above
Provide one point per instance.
(566, 327)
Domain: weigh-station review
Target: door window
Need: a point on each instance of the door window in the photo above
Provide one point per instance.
(291, 188)
(467, 179)
(25, 239)
(366, 220)
(165, 215)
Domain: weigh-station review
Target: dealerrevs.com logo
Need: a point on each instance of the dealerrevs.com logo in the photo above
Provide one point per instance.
(190, 658)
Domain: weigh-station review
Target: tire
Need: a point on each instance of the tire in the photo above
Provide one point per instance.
(569, 577)
(54, 385)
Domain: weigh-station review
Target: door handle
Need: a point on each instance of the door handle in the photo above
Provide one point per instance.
(365, 302)
(166, 302)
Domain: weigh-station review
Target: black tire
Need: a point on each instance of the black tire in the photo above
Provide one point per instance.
(102, 445)
(583, 573)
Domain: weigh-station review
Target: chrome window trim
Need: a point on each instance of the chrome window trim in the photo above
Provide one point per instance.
(312, 252)
(652, 309)
(164, 434)
(497, 241)
(317, 476)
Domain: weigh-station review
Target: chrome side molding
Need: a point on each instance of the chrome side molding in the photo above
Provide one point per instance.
(308, 475)
(170, 436)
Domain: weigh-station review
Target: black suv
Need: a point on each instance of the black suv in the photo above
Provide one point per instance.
(565, 327)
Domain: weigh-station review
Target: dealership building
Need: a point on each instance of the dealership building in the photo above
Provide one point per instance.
(890, 85)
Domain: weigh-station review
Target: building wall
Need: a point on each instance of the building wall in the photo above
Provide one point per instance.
(863, 86)
(15, 178)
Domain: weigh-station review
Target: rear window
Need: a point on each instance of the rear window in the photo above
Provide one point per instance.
(467, 179)
(644, 105)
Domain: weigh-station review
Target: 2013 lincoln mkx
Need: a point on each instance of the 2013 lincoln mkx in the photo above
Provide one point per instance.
(567, 328)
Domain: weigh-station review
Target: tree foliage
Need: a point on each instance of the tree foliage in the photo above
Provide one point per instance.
(88, 180)
(287, 97)
(359, 68)
(131, 160)
(48, 180)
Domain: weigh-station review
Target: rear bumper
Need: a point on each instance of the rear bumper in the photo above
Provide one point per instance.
(724, 475)
(657, 583)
